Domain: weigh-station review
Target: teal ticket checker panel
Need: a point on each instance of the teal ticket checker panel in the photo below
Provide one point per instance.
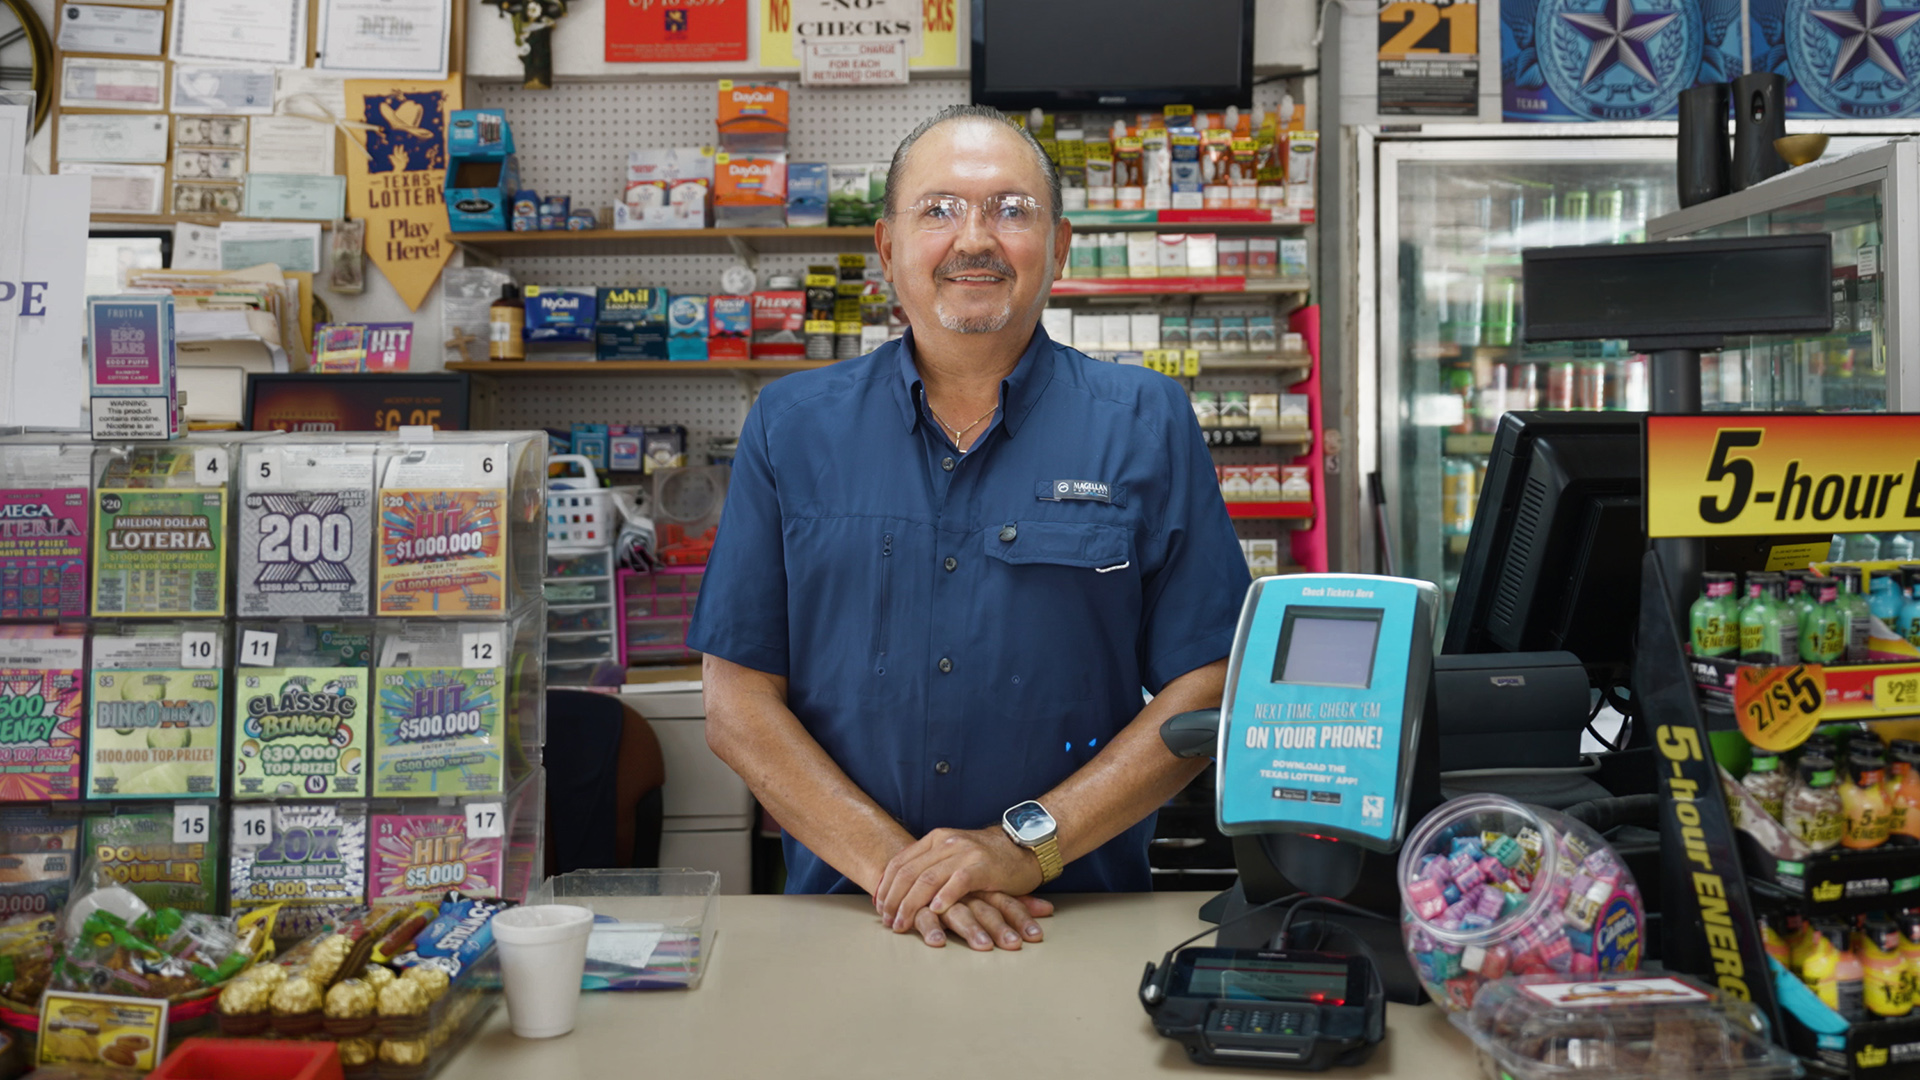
(1325, 694)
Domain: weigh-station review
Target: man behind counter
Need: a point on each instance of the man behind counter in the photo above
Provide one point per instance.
(946, 570)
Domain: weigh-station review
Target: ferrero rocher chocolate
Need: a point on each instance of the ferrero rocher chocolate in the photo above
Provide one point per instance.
(270, 975)
(327, 957)
(378, 975)
(403, 997)
(296, 996)
(355, 1053)
(349, 999)
(403, 1052)
(431, 979)
(245, 997)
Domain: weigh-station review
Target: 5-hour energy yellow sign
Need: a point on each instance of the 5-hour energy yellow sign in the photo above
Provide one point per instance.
(1761, 475)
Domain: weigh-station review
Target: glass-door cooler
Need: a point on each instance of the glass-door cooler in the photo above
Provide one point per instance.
(1452, 217)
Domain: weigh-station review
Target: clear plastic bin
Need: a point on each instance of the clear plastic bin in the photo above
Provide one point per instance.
(667, 633)
(1492, 887)
(652, 929)
(588, 647)
(586, 619)
(576, 592)
(591, 564)
(1595, 1027)
(647, 606)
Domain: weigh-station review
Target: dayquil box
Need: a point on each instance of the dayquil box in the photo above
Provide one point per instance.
(749, 190)
(753, 116)
(729, 325)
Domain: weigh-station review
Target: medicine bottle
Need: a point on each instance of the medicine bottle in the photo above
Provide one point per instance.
(506, 326)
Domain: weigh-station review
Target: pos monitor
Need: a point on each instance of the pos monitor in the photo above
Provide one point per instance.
(1553, 562)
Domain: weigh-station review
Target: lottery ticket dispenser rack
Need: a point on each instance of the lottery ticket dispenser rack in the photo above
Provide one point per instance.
(1326, 748)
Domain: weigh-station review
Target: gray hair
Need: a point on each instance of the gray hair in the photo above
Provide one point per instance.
(972, 112)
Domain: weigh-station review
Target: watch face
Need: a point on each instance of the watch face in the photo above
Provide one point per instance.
(1031, 822)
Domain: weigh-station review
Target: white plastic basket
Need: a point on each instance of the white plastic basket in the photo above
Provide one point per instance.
(580, 514)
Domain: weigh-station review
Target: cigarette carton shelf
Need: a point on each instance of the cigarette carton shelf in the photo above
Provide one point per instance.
(1185, 220)
(1068, 288)
(1209, 363)
(1248, 511)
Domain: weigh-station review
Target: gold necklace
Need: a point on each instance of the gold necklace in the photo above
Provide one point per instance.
(957, 432)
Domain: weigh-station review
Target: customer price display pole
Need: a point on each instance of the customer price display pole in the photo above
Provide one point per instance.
(1672, 300)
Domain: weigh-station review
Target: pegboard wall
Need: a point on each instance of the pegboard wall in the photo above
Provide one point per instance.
(712, 407)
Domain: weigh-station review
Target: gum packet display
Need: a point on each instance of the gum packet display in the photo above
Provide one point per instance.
(155, 724)
(306, 529)
(42, 682)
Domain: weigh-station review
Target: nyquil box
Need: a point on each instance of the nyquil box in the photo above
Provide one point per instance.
(306, 530)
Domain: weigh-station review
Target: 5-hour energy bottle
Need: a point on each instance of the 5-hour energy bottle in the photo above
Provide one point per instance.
(1761, 620)
(1907, 623)
(1823, 626)
(1715, 617)
(1852, 600)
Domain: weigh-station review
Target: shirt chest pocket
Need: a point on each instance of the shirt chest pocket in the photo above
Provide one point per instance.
(1097, 549)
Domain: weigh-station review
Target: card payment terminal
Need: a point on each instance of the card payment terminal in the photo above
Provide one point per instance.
(1290, 1009)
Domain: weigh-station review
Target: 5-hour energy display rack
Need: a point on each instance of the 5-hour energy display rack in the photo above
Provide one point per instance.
(1771, 489)
(272, 668)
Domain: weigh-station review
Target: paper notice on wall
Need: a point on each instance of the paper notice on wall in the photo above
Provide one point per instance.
(43, 274)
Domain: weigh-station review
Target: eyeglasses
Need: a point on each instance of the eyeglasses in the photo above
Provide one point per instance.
(948, 213)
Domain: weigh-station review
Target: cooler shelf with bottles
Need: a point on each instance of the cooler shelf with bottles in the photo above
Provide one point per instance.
(1454, 218)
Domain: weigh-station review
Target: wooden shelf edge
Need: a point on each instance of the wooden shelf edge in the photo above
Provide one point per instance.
(583, 236)
(537, 368)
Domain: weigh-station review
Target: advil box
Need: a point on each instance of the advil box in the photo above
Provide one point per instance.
(753, 116)
(749, 190)
(729, 324)
(632, 325)
(779, 325)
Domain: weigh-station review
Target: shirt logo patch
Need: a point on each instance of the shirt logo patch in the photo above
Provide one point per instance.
(1080, 490)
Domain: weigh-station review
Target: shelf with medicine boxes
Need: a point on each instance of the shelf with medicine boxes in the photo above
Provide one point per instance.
(539, 244)
(542, 368)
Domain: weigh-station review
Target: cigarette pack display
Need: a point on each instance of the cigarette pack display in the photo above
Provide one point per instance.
(42, 684)
(752, 116)
(1260, 335)
(807, 189)
(1203, 254)
(1144, 330)
(1087, 333)
(1236, 482)
(559, 314)
(1263, 257)
(749, 190)
(1233, 409)
(1232, 253)
(1294, 485)
(39, 854)
(460, 524)
(482, 846)
(1143, 256)
(1058, 323)
(1174, 332)
(135, 849)
(302, 693)
(850, 198)
(1170, 255)
(1233, 333)
(1293, 412)
(1263, 556)
(457, 708)
(687, 328)
(1116, 332)
(1266, 483)
(155, 710)
(1113, 254)
(1205, 333)
(160, 530)
(306, 528)
(1293, 258)
(1263, 410)
(729, 326)
(44, 528)
(311, 857)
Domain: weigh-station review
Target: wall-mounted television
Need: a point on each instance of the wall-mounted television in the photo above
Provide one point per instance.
(1112, 55)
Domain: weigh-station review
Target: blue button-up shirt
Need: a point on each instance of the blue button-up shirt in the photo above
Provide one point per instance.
(961, 632)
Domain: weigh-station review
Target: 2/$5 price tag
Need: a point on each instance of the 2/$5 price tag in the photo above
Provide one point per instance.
(1778, 707)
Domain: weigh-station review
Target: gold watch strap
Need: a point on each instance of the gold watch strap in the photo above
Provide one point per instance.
(1048, 852)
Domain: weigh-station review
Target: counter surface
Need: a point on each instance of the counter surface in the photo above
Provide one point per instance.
(812, 987)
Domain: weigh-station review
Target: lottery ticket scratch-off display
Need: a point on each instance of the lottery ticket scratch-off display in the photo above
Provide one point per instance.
(442, 552)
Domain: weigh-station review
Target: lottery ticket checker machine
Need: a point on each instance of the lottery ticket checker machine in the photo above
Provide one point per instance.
(1325, 749)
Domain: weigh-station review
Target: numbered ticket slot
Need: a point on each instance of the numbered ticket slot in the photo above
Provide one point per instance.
(306, 529)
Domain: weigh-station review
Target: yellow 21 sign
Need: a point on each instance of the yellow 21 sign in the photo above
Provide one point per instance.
(1438, 27)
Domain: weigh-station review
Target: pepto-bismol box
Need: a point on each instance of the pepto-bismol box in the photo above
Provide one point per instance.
(306, 530)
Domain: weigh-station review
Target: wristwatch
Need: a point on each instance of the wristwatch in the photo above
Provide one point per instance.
(1029, 825)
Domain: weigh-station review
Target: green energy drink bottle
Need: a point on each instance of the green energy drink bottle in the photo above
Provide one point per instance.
(1909, 618)
(1789, 619)
(1798, 598)
(1760, 621)
(1823, 627)
(1859, 612)
(1715, 618)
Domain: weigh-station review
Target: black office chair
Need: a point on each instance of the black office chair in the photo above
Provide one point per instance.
(604, 775)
